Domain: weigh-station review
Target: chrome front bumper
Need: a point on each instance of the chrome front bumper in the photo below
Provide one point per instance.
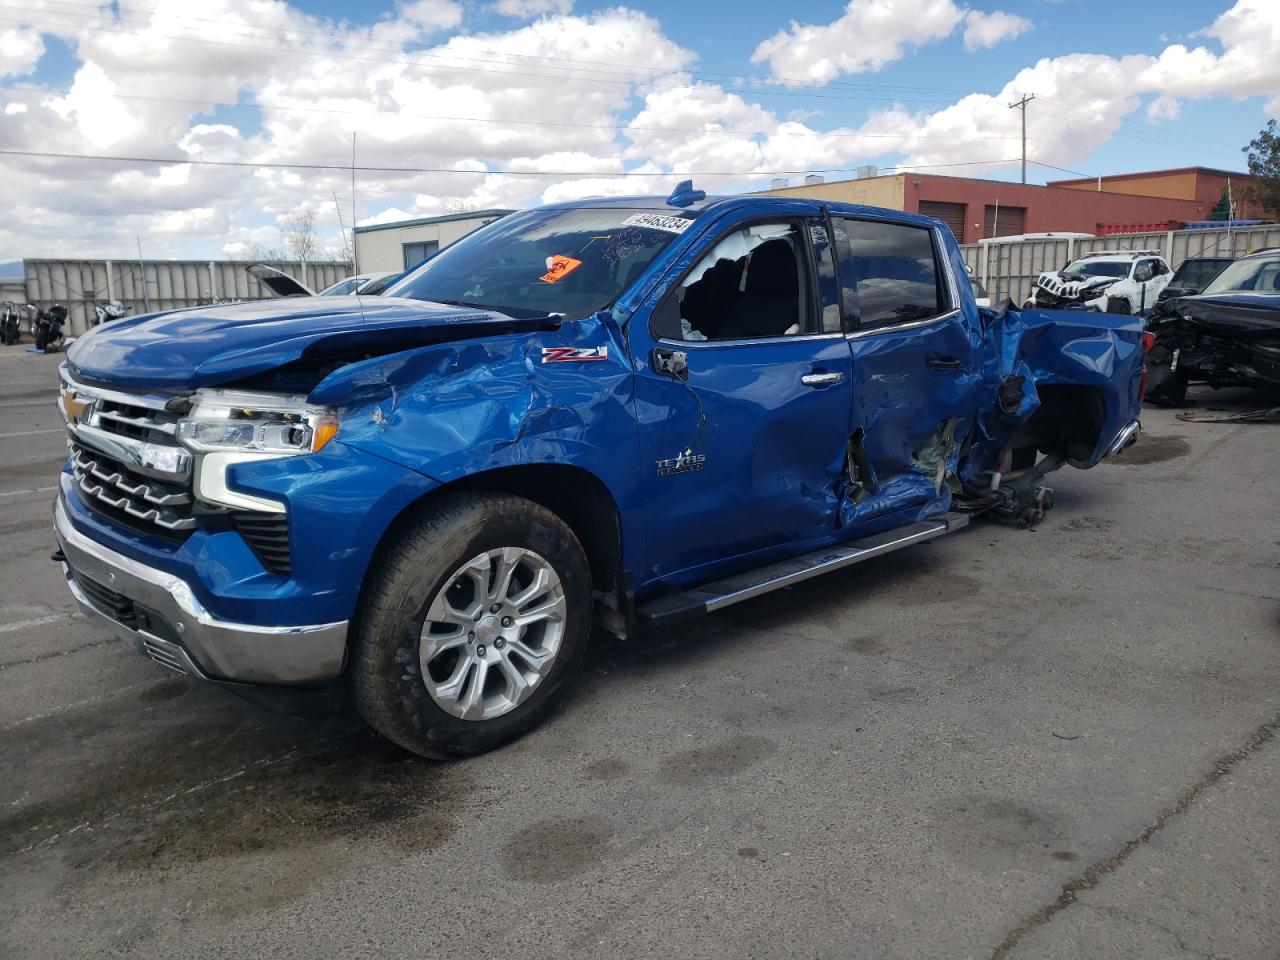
(162, 615)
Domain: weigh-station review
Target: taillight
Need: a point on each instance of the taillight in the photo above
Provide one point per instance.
(1148, 341)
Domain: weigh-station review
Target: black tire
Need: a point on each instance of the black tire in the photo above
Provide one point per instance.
(1165, 387)
(1119, 305)
(411, 567)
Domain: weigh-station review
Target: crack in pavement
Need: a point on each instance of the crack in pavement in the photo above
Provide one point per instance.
(60, 653)
(1095, 872)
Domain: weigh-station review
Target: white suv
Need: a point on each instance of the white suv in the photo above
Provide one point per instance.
(1109, 281)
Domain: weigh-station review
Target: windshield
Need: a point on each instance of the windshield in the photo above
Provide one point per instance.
(1097, 268)
(568, 262)
(1196, 273)
(1261, 275)
(341, 288)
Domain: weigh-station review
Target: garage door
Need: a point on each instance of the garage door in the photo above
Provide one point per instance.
(1004, 221)
(952, 214)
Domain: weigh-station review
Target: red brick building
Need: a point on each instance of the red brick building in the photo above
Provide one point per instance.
(1206, 186)
(979, 209)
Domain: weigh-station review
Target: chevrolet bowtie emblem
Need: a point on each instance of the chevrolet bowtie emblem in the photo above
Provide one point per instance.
(76, 409)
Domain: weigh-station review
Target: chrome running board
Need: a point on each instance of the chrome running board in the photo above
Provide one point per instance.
(723, 593)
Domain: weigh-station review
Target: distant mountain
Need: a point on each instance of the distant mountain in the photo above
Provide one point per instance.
(11, 270)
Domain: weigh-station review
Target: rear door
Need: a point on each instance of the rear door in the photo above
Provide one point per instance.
(917, 358)
(743, 396)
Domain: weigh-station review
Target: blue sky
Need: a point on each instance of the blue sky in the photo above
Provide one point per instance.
(631, 96)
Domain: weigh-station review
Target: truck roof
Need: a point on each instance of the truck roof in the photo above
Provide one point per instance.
(764, 204)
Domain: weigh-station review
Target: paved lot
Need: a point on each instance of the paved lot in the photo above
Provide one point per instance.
(1045, 744)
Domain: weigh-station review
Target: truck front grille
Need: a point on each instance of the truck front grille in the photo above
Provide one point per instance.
(109, 486)
(129, 467)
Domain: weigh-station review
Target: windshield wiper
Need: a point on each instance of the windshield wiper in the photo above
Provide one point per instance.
(462, 303)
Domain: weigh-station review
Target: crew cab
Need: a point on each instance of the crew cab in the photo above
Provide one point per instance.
(625, 412)
(1109, 281)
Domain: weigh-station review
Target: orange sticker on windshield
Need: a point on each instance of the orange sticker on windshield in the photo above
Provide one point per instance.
(558, 268)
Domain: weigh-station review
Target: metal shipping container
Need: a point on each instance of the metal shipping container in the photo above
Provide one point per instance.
(154, 285)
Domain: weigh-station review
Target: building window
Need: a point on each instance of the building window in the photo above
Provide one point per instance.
(415, 253)
(1002, 221)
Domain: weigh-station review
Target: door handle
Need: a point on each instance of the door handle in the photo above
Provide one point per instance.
(821, 379)
(944, 363)
(671, 363)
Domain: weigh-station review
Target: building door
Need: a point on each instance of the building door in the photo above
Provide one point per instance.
(952, 214)
(1002, 221)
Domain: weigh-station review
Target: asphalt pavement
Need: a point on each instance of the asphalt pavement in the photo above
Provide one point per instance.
(1048, 743)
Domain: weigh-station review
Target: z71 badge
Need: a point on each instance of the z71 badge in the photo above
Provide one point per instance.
(574, 354)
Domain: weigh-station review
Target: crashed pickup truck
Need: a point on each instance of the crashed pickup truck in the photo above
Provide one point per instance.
(625, 412)
(1227, 336)
(1109, 281)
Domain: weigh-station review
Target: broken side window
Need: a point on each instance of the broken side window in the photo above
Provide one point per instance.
(752, 284)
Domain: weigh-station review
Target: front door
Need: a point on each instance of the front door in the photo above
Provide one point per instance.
(743, 401)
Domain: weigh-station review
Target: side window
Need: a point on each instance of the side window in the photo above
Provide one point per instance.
(889, 273)
(753, 283)
(1159, 268)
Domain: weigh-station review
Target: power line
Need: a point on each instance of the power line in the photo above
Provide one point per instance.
(383, 46)
(623, 127)
(346, 167)
(615, 78)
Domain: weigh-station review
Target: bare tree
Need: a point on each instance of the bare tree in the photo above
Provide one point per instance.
(262, 254)
(300, 234)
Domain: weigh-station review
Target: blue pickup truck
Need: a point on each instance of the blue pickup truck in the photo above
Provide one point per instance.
(624, 412)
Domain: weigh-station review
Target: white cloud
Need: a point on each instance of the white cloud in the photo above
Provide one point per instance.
(261, 81)
(1082, 99)
(20, 49)
(874, 33)
(985, 30)
(529, 9)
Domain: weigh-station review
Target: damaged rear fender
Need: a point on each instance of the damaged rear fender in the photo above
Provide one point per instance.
(1088, 365)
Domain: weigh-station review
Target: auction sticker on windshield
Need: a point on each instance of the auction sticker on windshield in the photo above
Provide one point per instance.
(656, 221)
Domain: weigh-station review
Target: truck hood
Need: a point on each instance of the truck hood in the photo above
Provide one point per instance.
(1241, 316)
(207, 346)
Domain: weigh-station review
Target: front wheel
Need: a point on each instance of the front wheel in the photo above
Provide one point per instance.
(472, 619)
(1119, 305)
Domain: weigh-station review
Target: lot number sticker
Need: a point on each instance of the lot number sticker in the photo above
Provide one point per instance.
(656, 221)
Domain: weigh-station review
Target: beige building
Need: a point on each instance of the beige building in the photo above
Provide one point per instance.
(888, 192)
(399, 246)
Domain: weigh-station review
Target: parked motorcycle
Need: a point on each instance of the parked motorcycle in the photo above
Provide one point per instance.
(10, 324)
(49, 324)
(105, 313)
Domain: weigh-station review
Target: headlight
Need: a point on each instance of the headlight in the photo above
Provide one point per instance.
(259, 423)
(226, 428)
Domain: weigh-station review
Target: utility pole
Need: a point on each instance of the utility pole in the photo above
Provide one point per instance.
(1022, 105)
